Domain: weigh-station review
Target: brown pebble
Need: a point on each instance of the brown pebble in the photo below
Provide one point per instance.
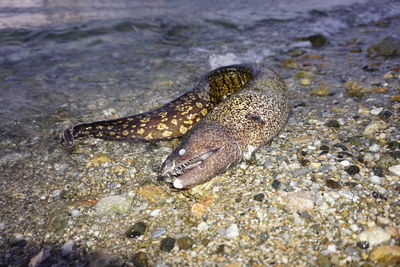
(385, 254)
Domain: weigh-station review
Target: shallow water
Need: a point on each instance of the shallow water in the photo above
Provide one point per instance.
(62, 62)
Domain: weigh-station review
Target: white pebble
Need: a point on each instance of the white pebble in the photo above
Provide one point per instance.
(75, 213)
(375, 179)
(345, 163)
(395, 170)
(55, 193)
(155, 213)
(67, 248)
(354, 227)
(158, 232)
(300, 201)
(374, 236)
(374, 148)
(201, 227)
(232, 231)
(331, 248)
(182, 152)
(376, 111)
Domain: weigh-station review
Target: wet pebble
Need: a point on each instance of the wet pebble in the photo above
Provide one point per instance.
(276, 184)
(374, 236)
(374, 148)
(395, 170)
(387, 47)
(376, 111)
(55, 193)
(363, 244)
(201, 227)
(378, 171)
(140, 259)
(185, 242)
(136, 230)
(374, 127)
(259, 197)
(300, 201)
(332, 123)
(114, 204)
(167, 244)
(75, 213)
(158, 232)
(375, 179)
(351, 251)
(386, 161)
(67, 248)
(232, 231)
(385, 254)
(264, 236)
(353, 169)
(332, 184)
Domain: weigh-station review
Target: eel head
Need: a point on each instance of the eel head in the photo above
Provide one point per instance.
(206, 151)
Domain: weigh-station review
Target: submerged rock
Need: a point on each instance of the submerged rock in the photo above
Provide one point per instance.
(387, 47)
(113, 204)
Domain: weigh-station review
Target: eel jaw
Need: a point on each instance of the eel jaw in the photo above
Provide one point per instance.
(186, 170)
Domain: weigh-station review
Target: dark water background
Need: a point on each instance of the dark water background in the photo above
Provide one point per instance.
(66, 61)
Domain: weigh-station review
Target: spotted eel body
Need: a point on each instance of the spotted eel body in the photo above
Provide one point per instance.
(243, 106)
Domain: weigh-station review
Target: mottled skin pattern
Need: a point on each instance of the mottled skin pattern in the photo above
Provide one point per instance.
(243, 106)
(171, 120)
(232, 131)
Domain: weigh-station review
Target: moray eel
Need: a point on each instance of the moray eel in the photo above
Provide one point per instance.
(228, 114)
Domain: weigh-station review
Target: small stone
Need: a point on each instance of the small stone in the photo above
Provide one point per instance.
(386, 160)
(363, 244)
(354, 89)
(378, 195)
(185, 242)
(167, 244)
(374, 127)
(276, 184)
(376, 111)
(55, 193)
(353, 169)
(374, 148)
(317, 40)
(158, 232)
(201, 227)
(351, 251)
(75, 213)
(378, 171)
(67, 248)
(136, 230)
(304, 214)
(375, 179)
(332, 123)
(387, 47)
(259, 197)
(114, 204)
(332, 184)
(321, 90)
(395, 170)
(264, 236)
(385, 115)
(232, 231)
(345, 163)
(197, 210)
(305, 82)
(300, 201)
(385, 254)
(374, 236)
(97, 160)
(140, 259)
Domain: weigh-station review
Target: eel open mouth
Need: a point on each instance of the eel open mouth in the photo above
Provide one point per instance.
(180, 167)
